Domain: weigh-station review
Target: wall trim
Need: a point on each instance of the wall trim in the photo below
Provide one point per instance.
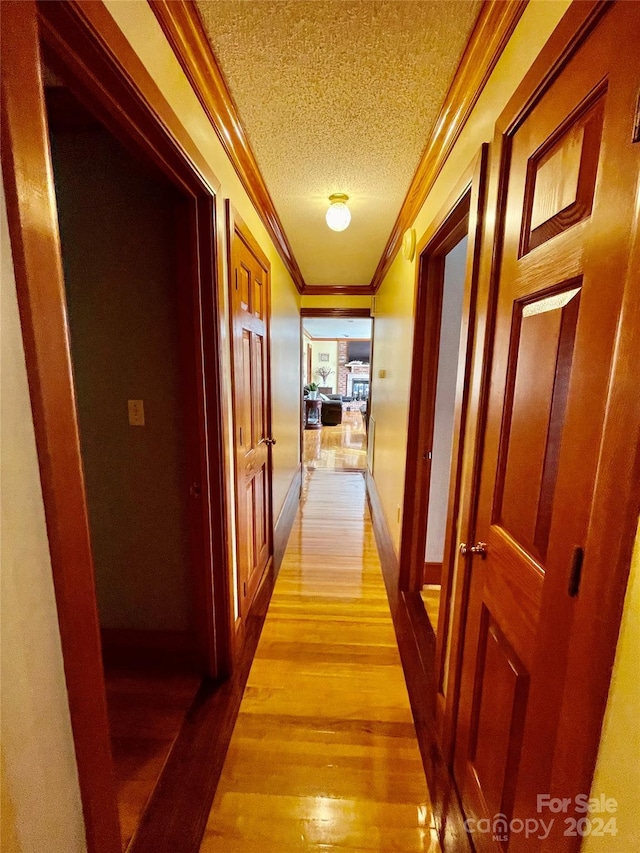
(282, 527)
(183, 28)
(335, 312)
(492, 31)
(417, 652)
(432, 573)
(337, 290)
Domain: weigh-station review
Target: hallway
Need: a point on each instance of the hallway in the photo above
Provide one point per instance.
(324, 755)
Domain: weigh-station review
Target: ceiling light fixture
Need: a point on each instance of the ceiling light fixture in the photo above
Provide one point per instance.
(338, 215)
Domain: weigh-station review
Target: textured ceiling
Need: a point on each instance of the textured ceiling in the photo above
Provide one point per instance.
(338, 96)
(337, 327)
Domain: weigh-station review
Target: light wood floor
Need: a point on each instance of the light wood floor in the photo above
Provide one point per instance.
(324, 755)
(337, 447)
(146, 711)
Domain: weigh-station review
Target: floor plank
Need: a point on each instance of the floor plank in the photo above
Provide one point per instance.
(324, 755)
(146, 711)
(338, 447)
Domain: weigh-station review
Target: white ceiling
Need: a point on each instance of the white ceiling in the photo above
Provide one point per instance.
(337, 327)
(338, 96)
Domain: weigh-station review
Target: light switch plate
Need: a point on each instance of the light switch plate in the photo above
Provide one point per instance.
(136, 412)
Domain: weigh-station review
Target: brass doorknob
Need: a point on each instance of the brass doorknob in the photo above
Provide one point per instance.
(479, 548)
(270, 441)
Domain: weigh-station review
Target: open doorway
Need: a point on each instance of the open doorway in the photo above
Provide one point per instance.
(55, 48)
(335, 394)
(118, 219)
(447, 329)
(441, 442)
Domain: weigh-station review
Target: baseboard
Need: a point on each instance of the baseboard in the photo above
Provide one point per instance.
(130, 648)
(417, 652)
(432, 573)
(282, 527)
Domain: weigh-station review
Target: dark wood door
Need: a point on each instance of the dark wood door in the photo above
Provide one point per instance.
(252, 441)
(571, 172)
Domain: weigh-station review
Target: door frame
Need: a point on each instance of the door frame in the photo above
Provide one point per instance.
(460, 216)
(85, 46)
(238, 229)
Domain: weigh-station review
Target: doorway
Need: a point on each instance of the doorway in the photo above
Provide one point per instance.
(75, 58)
(436, 509)
(443, 419)
(122, 300)
(441, 409)
(337, 348)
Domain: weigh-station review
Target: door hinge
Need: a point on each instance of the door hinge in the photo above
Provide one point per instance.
(241, 437)
(244, 589)
(575, 573)
(635, 137)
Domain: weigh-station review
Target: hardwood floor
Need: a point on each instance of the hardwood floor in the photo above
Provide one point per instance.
(146, 711)
(324, 755)
(338, 447)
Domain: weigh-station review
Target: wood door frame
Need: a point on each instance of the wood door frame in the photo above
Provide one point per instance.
(616, 503)
(236, 227)
(460, 216)
(101, 68)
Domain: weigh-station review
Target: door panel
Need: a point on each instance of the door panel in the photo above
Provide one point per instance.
(568, 217)
(498, 713)
(249, 303)
(541, 345)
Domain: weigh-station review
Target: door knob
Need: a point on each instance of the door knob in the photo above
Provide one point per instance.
(270, 441)
(478, 548)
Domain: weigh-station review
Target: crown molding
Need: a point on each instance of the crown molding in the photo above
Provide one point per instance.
(335, 312)
(183, 28)
(337, 290)
(493, 29)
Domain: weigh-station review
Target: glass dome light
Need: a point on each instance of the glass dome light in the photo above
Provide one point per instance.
(338, 215)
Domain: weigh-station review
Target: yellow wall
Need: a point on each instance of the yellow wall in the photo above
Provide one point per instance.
(618, 770)
(39, 776)
(8, 830)
(336, 302)
(393, 334)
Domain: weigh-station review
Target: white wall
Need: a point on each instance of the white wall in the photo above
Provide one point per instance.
(39, 770)
(453, 292)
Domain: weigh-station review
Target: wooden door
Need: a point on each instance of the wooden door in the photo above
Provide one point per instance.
(249, 299)
(570, 178)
